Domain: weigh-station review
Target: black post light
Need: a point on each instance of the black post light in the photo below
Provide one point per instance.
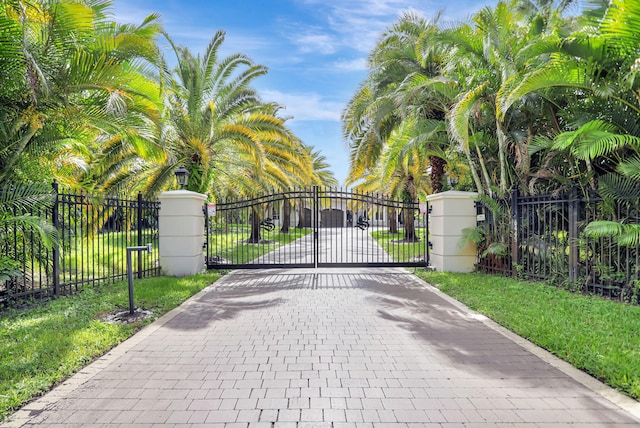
(182, 175)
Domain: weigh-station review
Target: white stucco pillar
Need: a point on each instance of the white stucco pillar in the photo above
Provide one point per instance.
(181, 232)
(451, 212)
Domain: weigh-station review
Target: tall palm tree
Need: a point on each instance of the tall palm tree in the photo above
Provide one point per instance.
(212, 117)
(218, 127)
(389, 97)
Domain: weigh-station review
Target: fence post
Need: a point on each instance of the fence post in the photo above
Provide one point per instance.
(451, 212)
(56, 245)
(574, 249)
(181, 232)
(139, 227)
(515, 238)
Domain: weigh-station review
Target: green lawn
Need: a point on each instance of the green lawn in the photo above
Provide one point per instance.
(598, 336)
(230, 244)
(398, 250)
(42, 346)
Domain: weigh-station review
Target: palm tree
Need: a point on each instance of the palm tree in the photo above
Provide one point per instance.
(212, 116)
(486, 60)
(218, 127)
(70, 75)
(400, 88)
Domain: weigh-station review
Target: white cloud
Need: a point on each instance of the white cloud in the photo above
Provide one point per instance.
(357, 64)
(304, 106)
(129, 14)
(315, 43)
(358, 24)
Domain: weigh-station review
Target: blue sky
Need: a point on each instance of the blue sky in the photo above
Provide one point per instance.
(315, 50)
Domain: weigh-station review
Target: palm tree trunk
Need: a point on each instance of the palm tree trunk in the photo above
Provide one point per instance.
(254, 237)
(524, 159)
(301, 215)
(502, 155)
(474, 172)
(409, 225)
(437, 173)
(393, 220)
(409, 197)
(286, 215)
(483, 168)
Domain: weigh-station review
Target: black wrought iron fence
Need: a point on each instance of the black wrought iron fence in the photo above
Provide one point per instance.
(93, 234)
(543, 238)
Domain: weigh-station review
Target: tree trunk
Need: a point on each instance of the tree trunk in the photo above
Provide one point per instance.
(409, 196)
(286, 215)
(301, 219)
(474, 172)
(483, 168)
(502, 156)
(409, 225)
(437, 173)
(254, 237)
(393, 220)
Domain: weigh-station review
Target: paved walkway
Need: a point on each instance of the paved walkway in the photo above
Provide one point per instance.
(336, 245)
(308, 349)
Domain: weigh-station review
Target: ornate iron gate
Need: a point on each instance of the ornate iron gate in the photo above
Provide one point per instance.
(316, 228)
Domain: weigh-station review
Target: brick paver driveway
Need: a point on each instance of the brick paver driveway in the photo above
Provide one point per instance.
(298, 349)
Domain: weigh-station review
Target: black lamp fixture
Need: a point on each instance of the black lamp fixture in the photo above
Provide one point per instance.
(182, 175)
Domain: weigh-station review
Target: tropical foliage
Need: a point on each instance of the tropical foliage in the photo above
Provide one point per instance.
(94, 105)
(70, 76)
(526, 95)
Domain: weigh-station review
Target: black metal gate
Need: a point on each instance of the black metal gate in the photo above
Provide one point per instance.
(316, 228)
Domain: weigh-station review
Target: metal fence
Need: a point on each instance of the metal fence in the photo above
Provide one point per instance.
(93, 234)
(542, 238)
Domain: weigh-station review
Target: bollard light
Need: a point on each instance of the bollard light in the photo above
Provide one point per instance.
(182, 175)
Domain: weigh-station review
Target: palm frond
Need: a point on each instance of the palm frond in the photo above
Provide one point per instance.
(623, 234)
(461, 112)
(618, 187)
(630, 168)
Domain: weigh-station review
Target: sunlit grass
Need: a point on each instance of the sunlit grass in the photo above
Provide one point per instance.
(101, 254)
(232, 245)
(598, 336)
(42, 346)
(399, 250)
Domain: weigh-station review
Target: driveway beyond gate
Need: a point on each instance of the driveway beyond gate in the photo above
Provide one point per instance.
(325, 349)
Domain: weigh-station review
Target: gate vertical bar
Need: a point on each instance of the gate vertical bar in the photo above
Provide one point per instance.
(316, 241)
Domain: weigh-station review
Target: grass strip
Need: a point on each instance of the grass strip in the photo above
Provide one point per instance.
(42, 346)
(598, 336)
